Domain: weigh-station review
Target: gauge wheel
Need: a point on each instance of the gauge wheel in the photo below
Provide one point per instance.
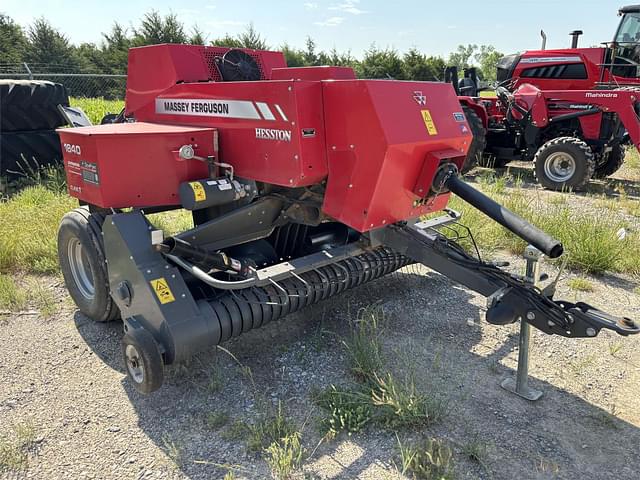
(142, 360)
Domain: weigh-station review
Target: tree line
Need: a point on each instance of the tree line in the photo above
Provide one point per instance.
(46, 48)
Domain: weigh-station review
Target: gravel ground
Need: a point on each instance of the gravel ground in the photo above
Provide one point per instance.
(64, 376)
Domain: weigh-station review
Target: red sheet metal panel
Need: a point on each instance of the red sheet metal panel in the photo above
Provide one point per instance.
(132, 164)
(379, 135)
(270, 131)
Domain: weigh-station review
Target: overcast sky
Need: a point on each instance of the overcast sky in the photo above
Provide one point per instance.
(435, 27)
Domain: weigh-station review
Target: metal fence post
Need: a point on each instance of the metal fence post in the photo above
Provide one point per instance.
(26, 67)
(520, 385)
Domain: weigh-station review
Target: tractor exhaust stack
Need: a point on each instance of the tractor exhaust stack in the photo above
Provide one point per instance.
(575, 37)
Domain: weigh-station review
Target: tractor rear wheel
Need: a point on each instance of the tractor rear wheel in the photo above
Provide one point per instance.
(479, 142)
(31, 105)
(612, 162)
(564, 163)
(82, 261)
(24, 152)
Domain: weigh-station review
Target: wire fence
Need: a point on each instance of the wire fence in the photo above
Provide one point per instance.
(78, 83)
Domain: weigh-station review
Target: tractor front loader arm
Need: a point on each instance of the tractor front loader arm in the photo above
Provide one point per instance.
(510, 298)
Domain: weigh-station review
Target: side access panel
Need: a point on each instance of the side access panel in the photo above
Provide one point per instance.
(385, 141)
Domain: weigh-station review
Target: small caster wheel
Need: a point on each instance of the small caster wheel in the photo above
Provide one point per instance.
(143, 360)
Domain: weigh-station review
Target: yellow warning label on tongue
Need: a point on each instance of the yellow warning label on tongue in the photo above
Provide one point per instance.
(198, 191)
(161, 287)
(428, 122)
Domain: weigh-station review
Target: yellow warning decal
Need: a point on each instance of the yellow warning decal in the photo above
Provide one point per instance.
(161, 287)
(198, 191)
(428, 122)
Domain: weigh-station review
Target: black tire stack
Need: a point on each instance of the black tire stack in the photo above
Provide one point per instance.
(28, 118)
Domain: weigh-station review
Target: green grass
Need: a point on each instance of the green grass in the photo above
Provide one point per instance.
(96, 108)
(284, 456)
(347, 410)
(28, 230)
(379, 397)
(12, 298)
(237, 431)
(431, 459)
(269, 429)
(580, 284)
(400, 405)
(15, 447)
(216, 420)
(476, 450)
(632, 159)
(172, 222)
(363, 345)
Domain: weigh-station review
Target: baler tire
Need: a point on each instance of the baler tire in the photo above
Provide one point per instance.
(577, 151)
(142, 360)
(31, 105)
(612, 164)
(479, 142)
(84, 229)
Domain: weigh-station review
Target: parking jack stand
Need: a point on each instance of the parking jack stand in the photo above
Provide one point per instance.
(520, 385)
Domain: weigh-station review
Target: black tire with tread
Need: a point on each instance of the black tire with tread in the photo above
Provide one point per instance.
(579, 150)
(27, 105)
(149, 353)
(615, 159)
(479, 142)
(21, 151)
(87, 227)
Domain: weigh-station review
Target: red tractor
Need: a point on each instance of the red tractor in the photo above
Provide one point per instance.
(302, 183)
(570, 135)
(613, 65)
(583, 117)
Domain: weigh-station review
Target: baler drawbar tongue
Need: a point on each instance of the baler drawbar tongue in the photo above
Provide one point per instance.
(510, 298)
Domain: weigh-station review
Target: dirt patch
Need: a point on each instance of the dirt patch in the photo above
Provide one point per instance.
(64, 376)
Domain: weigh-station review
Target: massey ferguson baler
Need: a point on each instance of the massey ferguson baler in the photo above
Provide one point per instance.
(303, 182)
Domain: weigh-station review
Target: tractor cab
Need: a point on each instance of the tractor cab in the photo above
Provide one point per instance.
(623, 54)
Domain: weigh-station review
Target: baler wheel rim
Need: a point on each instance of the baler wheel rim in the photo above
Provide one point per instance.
(142, 360)
(81, 269)
(135, 366)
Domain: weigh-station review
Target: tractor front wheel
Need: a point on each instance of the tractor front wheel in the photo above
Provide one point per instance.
(612, 162)
(564, 163)
(83, 265)
(142, 360)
